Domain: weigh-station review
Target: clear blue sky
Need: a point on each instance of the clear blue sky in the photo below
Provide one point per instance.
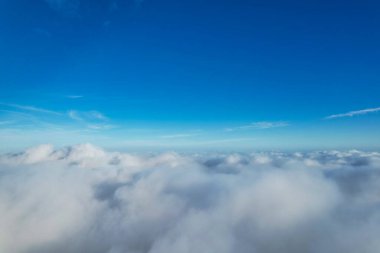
(190, 74)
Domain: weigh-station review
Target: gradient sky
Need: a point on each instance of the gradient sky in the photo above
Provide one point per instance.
(190, 74)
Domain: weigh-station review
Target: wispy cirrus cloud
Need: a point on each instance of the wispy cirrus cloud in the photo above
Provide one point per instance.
(38, 116)
(93, 120)
(259, 125)
(100, 126)
(353, 113)
(84, 116)
(226, 141)
(74, 96)
(74, 115)
(97, 115)
(182, 135)
(31, 108)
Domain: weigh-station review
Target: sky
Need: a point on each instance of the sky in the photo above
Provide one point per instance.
(189, 74)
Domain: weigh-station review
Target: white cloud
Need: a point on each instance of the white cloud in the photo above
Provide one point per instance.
(226, 141)
(84, 199)
(101, 126)
(74, 96)
(97, 115)
(175, 136)
(52, 119)
(74, 115)
(88, 115)
(30, 108)
(354, 113)
(91, 119)
(260, 125)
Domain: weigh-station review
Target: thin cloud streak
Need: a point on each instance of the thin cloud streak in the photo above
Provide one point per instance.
(226, 141)
(44, 117)
(31, 108)
(83, 116)
(74, 96)
(174, 136)
(93, 120)
(97, 115)
(74, 115)
(101, 126)
(353, 113)
(259, 125)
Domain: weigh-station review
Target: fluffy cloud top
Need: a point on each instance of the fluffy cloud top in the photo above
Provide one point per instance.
(85, 199)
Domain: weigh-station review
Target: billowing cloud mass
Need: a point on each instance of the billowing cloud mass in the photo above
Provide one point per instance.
(84, 199)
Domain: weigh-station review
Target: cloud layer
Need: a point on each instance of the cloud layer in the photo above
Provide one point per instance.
(85, 199)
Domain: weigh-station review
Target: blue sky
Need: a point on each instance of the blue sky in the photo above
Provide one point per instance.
(190, 74)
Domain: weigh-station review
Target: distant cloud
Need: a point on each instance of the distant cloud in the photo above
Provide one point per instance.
(93, 120)
(74, 115)
(174, 136)
(97, 115)
(37, 116)
(31, 108)
(353, 113)
(100, 126)
(88, 115)
(226, 141)
(74, 96)
(259, 125)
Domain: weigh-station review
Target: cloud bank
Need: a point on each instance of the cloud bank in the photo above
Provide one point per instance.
(84, 199)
